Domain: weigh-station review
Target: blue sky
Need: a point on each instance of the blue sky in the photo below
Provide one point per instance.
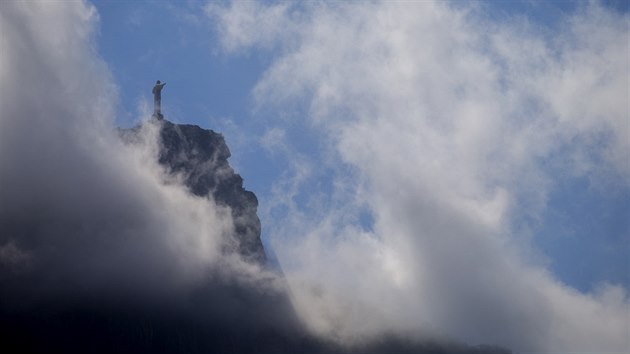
(584, 232)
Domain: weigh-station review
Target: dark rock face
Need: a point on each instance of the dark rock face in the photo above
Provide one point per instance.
(201, 156)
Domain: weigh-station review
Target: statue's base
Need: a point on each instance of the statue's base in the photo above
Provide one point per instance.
(157, 116)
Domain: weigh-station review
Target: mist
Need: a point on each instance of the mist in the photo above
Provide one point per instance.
(439, 128)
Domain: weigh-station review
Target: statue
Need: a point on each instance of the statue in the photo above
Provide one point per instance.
(157, 100)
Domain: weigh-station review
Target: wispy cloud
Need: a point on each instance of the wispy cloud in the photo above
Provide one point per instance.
(450, 128)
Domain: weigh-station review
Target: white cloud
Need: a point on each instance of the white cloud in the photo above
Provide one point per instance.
(83, 210)
(448, 123)
(239, 26)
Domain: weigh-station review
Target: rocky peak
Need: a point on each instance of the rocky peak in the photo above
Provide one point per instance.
(201, 157)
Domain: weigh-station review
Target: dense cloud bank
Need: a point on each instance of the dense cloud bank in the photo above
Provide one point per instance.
(94, 231)
(71, 191)
(445, 131)
(111, 247)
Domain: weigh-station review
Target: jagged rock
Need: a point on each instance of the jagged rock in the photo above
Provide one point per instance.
(201, 157)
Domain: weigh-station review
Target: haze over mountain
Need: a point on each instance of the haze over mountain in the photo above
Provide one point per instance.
(405, 156)
(236, 304)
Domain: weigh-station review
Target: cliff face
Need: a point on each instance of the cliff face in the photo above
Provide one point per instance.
(200, 156)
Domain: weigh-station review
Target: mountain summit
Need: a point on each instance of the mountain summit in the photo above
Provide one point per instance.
(200, 157)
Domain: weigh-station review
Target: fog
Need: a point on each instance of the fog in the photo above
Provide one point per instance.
(440, 127)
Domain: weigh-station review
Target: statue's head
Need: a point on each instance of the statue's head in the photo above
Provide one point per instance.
(158, 82)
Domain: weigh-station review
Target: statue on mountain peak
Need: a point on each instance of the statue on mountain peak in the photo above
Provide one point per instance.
(157, 100)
